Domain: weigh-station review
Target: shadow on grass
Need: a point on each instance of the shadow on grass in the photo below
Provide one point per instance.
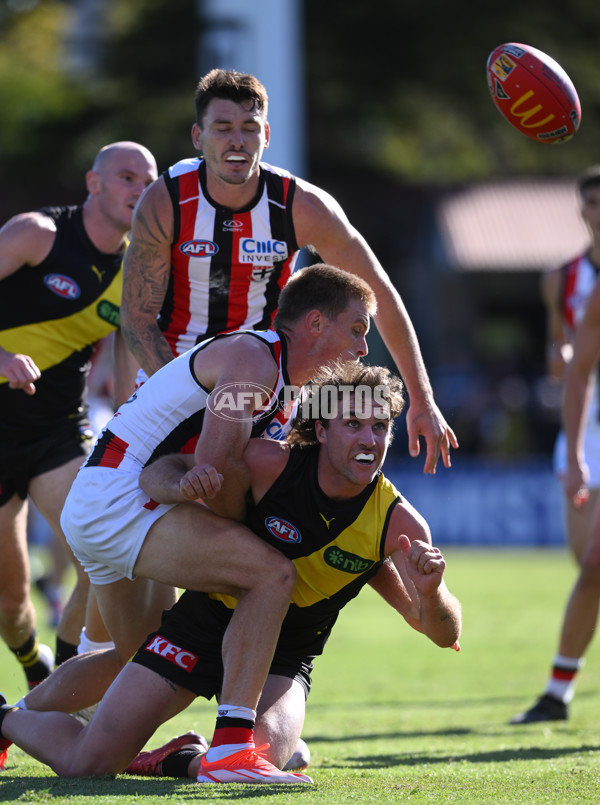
(500, 756)
(47, 789)
(377, 736)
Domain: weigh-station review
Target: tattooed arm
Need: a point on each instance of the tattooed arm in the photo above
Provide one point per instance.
(145, 277)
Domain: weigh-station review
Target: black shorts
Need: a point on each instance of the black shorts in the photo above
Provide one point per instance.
(186, 649)
(20, 462)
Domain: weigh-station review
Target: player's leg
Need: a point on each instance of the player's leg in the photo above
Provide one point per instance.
(121, 726)
(579, 524)
(187, 546)
(78, 683)
(579, 621)
(17, 614)
(48, 491)
(191, 547)
(280, 718)
(581, 615)
(279, 722)
(131, 610)
(216, 555)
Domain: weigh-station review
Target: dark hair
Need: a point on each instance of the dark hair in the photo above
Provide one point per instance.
(230, 85)
(589, 178)
(321, 287)
(347, 376)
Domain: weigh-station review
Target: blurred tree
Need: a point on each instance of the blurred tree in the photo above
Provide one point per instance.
(77, 75)
(401, 86)
(37, 100)
(397, 89)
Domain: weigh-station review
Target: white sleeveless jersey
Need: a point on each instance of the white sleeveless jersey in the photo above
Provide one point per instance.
(165, 415)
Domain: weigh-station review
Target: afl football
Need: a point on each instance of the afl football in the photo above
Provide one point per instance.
(533, 92)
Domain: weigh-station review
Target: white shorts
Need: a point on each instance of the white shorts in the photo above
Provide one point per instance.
(591, 451)
(106, 518)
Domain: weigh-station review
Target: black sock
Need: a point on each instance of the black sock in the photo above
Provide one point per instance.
(29, 648)
(176, 764)
(28, 654)
(4, 709)
(64, 651)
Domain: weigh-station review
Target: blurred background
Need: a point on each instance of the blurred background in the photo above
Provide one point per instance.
(386, 106)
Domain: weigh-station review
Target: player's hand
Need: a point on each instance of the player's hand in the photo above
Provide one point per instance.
(575, 481)
(425, 564)
(20, 371)
(201, 483)
(427, 421)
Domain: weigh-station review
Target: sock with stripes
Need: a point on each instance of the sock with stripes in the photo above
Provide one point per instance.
(234, 731)
(35, 666)
(562, 680)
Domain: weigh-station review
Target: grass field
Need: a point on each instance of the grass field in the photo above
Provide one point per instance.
(393, 718)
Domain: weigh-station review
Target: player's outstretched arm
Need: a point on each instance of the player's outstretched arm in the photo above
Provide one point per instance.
(320, 221)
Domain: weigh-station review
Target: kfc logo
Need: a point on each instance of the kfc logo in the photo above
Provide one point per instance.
(184, 659)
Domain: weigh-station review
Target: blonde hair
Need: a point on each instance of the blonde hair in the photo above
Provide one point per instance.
(349, 376)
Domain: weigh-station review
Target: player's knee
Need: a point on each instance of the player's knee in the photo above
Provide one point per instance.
(286, 577)
(76, 766)
(278, 574)
(281, 739)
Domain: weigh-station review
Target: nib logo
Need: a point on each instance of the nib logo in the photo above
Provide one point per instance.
(345, 561)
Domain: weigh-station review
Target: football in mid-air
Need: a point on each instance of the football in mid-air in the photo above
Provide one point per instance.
(533, 93)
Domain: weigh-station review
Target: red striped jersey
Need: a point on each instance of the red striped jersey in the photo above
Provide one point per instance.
(227, 268)
(579, 277)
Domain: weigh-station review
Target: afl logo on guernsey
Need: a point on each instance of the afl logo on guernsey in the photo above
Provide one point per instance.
(283, 530)
(199, 248)
(62, 286)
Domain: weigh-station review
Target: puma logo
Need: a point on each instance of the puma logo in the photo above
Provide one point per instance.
(98, 273)
(325, 520)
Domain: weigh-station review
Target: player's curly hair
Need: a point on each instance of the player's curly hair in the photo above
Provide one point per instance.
(349, 375)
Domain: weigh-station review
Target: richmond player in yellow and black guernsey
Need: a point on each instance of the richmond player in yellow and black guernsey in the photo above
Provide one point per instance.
(60, 292)
(325, 504)
(68, 302)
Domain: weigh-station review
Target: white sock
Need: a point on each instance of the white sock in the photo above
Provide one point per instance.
(235, 711)
(562, 681)
(85, 644)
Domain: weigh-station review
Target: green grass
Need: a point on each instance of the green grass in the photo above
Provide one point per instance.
(393, 718)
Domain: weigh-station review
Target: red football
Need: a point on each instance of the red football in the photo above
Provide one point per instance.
(533, 93)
